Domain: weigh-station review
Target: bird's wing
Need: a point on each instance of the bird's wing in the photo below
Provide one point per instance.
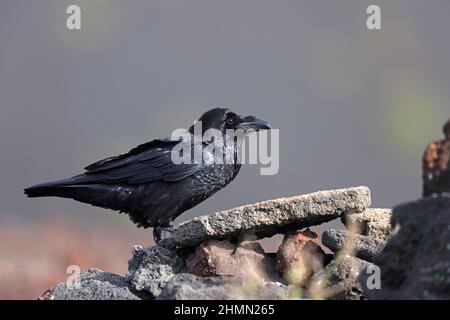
(146, 163)
(116, 160)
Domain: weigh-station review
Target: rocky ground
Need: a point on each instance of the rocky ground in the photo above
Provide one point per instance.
(382, 254)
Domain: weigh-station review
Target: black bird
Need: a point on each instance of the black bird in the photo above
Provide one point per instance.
(147, 185)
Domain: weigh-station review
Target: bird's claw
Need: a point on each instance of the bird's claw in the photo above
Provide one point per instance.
(160, 232)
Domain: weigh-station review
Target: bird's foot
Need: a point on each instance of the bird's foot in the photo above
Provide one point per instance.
(161, 232)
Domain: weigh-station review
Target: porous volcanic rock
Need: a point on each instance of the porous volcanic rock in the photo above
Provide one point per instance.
(94, 284)
(363, 247)
(415, 262)
(186, 286)
(339, 280)
(151, 268)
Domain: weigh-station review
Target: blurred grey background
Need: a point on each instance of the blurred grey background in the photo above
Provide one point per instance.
(354, 107)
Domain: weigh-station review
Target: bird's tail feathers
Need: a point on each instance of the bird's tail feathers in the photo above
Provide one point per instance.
(96, 195)
(52, 188)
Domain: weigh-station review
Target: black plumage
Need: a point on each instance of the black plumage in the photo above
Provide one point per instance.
(146, 184)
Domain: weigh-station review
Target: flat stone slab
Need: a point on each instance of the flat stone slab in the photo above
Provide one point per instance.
(372, 222)
(267, 218)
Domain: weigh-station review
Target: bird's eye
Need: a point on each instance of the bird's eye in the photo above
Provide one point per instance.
(230, 121)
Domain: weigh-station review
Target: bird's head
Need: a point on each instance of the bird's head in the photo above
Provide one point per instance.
(224, 119)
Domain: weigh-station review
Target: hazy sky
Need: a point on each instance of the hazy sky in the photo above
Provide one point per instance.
(354, 107)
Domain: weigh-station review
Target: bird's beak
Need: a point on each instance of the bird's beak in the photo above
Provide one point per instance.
(251, 122)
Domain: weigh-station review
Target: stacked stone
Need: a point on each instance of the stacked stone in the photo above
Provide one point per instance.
(217, 256)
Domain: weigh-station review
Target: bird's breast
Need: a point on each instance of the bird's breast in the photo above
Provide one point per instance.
(215, 177)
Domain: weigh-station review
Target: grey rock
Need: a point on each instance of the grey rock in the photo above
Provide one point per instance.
(151, 268)
(339, 280)
(271, 291)
(270, 217)
(363, 247)
(95, 284)
(415, 263)
(185, 286)
(371, 222)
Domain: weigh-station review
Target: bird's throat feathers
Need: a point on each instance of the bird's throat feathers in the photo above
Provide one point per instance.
(213, 148)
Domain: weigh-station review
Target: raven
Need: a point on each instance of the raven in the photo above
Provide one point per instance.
(145, 182)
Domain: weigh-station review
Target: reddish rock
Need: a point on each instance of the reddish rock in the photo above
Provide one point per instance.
(447, 129)
(436, 165)
(222, 258)
(299, 256)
